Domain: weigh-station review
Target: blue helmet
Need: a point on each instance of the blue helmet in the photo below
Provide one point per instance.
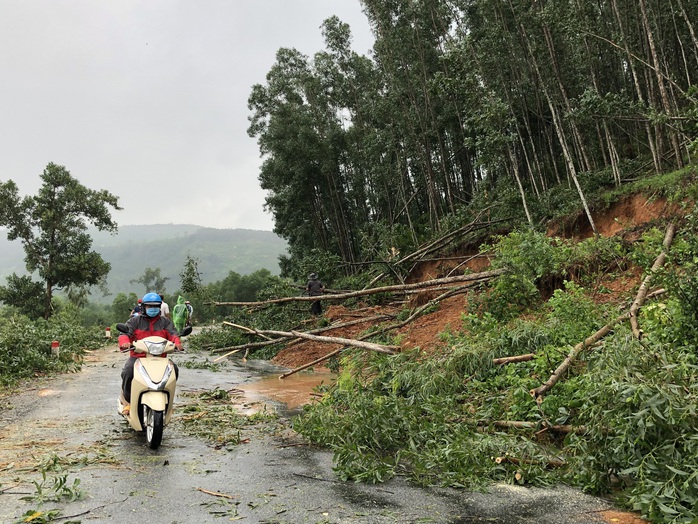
(151, 304)
(152, 298)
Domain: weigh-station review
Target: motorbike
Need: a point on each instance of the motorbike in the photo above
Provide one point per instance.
(153, 387)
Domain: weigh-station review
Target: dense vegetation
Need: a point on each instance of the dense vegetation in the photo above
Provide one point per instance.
(520, 112)
(25, 345)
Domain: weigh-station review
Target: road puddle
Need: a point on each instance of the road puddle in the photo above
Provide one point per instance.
(48, 392)
(291, 392)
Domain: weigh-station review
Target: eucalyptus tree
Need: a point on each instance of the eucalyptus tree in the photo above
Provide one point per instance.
(301, 136)
(407, 56)
(52, 228)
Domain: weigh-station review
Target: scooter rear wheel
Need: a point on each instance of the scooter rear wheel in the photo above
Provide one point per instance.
(154, 422)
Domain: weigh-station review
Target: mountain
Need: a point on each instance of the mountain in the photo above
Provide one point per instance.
(166, 246)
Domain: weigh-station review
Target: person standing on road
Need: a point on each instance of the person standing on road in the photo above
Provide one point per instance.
(165, 309)
(315, 288)
(190, 308)
(149, 323)
(180, 314)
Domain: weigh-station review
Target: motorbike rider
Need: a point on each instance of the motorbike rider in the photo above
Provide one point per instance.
(149, 323)
(137, 309)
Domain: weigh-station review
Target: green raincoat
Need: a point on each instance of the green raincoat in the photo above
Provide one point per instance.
(180, 313)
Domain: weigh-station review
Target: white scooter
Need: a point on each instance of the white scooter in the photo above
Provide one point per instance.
(152, 388)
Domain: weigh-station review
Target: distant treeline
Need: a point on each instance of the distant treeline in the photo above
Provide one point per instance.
(219, 252)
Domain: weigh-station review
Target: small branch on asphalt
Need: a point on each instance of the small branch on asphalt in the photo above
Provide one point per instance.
(90, 510)
(215, 493)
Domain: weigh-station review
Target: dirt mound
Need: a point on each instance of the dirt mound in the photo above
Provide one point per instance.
(629, 213)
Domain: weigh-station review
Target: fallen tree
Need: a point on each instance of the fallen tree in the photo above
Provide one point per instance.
(640, 299)
(482, 276)
(381, 348)
(272, 341)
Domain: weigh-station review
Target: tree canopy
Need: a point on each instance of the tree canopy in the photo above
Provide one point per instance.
(52, 228)
(463, 98)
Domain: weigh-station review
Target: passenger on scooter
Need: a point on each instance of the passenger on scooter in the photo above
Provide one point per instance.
(149, 323)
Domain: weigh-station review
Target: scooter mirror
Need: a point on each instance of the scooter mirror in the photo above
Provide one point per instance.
(123, 328)
(186, 331)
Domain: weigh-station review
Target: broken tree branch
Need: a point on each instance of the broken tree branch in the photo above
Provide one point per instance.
(644, 287)
(380, 348)
(522, 424)
(330, 340)
(510, 360)
(350, 323)
(538, 392)
(313, 363)
(215, 493)
(245, 329)
(270, 341)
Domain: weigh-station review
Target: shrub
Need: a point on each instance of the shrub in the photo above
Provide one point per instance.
(25, 345)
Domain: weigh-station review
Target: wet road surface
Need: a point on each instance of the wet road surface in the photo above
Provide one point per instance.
(68, 427)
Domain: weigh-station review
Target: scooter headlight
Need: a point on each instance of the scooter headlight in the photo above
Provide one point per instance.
(155, 348)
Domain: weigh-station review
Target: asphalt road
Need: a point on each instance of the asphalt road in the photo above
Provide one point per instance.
(67, 427)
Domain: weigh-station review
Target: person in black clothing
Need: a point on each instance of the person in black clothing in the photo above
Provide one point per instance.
(315, 288)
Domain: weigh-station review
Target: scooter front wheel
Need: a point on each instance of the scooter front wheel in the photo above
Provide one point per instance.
(154, 422)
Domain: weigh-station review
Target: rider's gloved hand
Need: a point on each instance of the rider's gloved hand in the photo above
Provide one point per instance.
(179, 346)
(125, 345)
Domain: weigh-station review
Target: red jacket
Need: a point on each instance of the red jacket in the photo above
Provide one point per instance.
(142, 326)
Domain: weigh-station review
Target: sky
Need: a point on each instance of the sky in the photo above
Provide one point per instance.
(148, 99)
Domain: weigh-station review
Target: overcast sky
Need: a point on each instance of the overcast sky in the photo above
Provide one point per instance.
(148, 99)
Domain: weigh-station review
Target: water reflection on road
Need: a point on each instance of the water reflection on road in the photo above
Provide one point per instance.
(260, 382)
(291, 392)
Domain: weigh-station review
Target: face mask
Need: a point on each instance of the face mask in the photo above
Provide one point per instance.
(152, 311)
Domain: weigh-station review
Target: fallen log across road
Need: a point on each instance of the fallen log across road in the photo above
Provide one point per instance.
(472, 277)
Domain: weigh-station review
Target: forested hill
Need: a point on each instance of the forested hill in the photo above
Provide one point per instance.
(135, 248)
